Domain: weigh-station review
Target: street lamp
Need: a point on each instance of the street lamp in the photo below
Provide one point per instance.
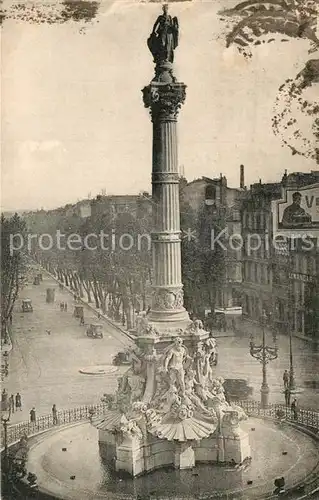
(5, 417)
(264, 354)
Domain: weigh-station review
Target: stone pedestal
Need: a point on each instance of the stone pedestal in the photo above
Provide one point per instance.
(135, 456)
(129, 454)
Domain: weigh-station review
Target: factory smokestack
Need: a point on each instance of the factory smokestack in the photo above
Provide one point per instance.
(242, 177)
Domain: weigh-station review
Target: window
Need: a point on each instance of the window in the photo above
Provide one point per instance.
(311, 266)
(258, 224)
(210, 192)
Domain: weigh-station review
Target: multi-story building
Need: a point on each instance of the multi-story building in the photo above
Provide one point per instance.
(219, 207)
(257, 276)
(280, 276)
(119, 204)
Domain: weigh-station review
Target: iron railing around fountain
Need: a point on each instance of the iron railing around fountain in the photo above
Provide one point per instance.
(306, 418)
(64, 417)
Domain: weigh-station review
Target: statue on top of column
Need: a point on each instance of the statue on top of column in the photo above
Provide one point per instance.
(164, 37)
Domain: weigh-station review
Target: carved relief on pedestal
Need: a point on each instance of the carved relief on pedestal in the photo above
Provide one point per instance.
(164, 100)
(167, 299)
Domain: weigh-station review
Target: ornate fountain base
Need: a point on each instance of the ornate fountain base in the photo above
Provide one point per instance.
(169, 409)
(135, 456)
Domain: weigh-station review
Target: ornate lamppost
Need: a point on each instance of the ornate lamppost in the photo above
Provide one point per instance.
(264, 354)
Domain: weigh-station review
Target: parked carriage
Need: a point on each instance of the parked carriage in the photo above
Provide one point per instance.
(78, 311)
(122, 358)
(27, 305)
(95, 331)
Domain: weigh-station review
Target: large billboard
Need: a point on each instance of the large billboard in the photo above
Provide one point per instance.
(297, 213)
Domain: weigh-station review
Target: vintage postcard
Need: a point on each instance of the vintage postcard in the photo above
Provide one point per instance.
(159, 249)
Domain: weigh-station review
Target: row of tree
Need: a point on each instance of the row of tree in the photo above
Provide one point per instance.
(13, 266)
(118, 280)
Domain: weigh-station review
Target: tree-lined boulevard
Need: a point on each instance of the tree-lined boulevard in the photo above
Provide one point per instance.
(44, 367)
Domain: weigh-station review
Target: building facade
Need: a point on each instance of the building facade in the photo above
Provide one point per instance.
(280, 275)
(218, 211)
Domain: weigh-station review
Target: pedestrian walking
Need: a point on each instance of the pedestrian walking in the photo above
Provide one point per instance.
(11, 403)
(287, 396)
(285, 378)
(18, 402)
(4, 396)
(65, 307)
(224, 325)
(294, 409)
(32, 415)
(61, 306)
(82, 321)
(54, 415)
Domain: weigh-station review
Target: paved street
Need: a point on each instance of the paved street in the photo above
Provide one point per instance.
(234, 361)
(45, 368)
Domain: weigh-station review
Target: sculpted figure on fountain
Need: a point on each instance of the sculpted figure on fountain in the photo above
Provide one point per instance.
(174, 364)
(182, 388)
(195, 327)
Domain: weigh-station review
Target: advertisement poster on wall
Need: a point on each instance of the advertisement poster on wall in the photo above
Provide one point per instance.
(297, 213)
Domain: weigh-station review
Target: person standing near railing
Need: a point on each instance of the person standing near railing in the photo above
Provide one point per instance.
(32, 416)
(54, 415)
(18, 402)
(287, 396)
(11, 403)
(294, 409)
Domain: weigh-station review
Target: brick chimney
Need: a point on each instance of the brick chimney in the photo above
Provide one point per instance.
(242, 177)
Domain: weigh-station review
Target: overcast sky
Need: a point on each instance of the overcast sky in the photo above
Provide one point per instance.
(73, 120)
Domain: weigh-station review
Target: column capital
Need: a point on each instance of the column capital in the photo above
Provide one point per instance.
(164, 99)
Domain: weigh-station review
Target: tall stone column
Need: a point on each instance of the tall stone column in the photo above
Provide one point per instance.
(164, 97)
